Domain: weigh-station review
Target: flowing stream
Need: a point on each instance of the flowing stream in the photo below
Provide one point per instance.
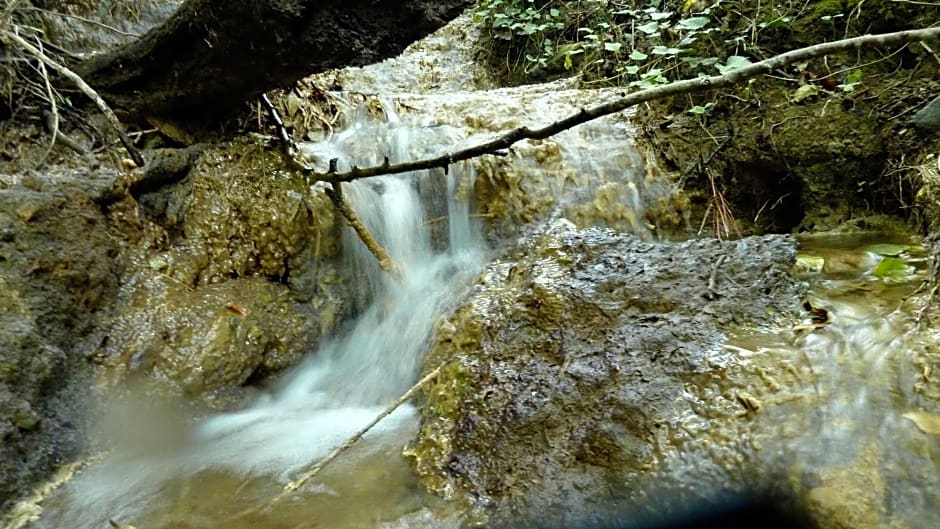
(233, 460)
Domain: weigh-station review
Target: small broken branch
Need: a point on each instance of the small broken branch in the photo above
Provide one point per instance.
(13, 39)
(386, 262)
(289, 150)
(349, 443)
(53, 122)
(629, 100)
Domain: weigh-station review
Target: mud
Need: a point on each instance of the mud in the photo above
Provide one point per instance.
(838, 159)
(239, 281)
(58, 273)
(571, 354)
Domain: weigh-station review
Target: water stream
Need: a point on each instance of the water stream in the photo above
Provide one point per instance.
(231, 460)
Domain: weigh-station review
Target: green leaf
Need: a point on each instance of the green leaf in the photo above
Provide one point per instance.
(735, 62)
(612, 46)
(650, 28)
(855, 76)
(698, 110)
(664, 50)
(694, 23)
(632, 69)
(888, 250)
(893, 269)
(810, 263)
(638, 55)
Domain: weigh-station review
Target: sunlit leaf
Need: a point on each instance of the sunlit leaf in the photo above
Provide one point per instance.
(810, 263)
(638, 55)
(650, 28)
(693, 23)
(893, 269)
(888, 250)
(926, 422)
(612, 46)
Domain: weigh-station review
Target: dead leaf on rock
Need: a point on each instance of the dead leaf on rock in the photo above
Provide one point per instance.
(926, 422)
(237, 308)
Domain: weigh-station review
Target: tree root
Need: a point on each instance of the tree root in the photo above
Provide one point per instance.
(12, 39)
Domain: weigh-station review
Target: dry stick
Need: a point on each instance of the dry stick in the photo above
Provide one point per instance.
(335, 193)
(386, 262)
(83, 86)
(55, 112)
(349, 443)
(627, 101)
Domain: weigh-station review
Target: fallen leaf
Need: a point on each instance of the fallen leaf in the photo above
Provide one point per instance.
(237, 308)
(888, 250)
(926, 422)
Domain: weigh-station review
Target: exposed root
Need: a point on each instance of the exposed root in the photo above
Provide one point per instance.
(12, 39)
(723, 223)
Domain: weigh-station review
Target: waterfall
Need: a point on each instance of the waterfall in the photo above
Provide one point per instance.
(352, 377)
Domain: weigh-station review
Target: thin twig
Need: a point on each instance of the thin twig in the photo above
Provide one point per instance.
(54, 109)
(14, 39)
(334, 192)
(385, 260)
(349, 443)
(626, 101)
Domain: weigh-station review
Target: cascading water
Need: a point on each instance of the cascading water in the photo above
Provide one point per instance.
(340, 387)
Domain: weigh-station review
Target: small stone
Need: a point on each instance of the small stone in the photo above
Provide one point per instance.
(27, 211)
(7, 234)
(928, 118)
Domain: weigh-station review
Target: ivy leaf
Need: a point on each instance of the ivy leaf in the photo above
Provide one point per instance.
(664, 50)
(638, 55)
(694, 23)
(651, 28)
(735, 62)
(612, 46)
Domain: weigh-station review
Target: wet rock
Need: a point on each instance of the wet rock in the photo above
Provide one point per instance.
(56, 270)
(244, 285)
(85, 27)
(195, 342)
(568, 362)
(242, 214)
(928, 118)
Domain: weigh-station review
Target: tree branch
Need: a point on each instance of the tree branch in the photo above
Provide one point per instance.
(626, 101)
(13, 39)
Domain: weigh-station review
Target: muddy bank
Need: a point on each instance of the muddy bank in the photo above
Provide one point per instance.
(567, 363)
(58, 272)
(239, 279)
(193, 292)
